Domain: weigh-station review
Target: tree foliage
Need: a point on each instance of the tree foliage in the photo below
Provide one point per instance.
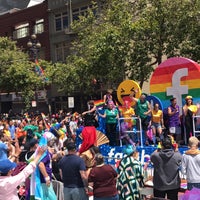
(127, 38)
(17, 73)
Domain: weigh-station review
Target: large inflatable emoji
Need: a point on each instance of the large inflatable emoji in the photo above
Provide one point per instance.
(126, 88)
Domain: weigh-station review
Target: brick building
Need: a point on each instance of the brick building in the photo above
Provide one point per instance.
(19, 25)
(50, 21)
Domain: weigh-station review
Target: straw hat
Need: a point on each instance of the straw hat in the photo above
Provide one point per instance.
(188, 97)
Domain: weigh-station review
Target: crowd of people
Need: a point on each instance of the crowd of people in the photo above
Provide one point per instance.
(45, 147)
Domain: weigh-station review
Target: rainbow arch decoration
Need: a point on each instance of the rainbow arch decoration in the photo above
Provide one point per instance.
(176, 77)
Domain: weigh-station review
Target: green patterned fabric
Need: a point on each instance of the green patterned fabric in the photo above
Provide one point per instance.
(130, 174)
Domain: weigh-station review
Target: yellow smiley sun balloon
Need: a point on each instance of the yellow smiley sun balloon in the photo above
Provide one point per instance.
(126, 88)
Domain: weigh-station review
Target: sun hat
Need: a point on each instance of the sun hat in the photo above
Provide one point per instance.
(129, 149)
(188, 97)
(6, 165)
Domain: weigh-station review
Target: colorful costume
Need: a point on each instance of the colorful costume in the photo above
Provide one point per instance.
(130, 173)
(89, 138)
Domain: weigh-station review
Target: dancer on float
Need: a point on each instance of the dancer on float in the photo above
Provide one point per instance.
(157, 123)
(127, 122)
(143, 110)
(189, 111)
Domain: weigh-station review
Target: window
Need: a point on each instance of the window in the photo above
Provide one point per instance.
(39, 26)
(21, 31)
(61, 21)
(75, 14)
(61, 52)
(78, 12)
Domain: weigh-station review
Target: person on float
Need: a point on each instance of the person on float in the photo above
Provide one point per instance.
(189, 111)
(157, 123)
(111, 116)
(174, 123)
(107, 97)
(126, 124)
(143, 110)
(90, 116)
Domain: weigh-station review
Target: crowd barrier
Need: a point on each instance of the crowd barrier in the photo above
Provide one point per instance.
(196, 125)
(130, 127)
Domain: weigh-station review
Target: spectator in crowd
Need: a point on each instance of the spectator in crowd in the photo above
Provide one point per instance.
(102, 179)
(89, 157)
(166, 162)
(12, 128)
(45, 168)
(174, 124)
(189, 110)
(191, 164)
(8, 183)
(143, 110)
(1, 125)
(129, 175)
(73, 174)
(111, 116)
(20, 130)
(6, 130)
(46, 177)
(3, 146)
(73, 126)
(157, 123)
(26, 156)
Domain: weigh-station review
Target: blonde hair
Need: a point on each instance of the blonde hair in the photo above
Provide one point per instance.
(193, 141)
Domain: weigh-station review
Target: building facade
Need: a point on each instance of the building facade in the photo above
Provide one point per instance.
(61, 14)
(50, 21)
(19, 25)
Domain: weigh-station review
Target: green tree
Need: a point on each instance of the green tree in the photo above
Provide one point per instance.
(17, 73)
(127, 39)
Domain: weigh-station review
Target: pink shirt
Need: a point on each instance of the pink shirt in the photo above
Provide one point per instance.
(8, 184)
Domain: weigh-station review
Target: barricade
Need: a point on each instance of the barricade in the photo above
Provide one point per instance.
(125, 128)
(196, 125)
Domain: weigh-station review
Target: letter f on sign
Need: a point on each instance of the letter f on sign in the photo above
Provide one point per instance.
(177, 89)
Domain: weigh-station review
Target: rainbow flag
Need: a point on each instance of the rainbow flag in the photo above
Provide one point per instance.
(99, 103)
(39, 70)
(120, 108)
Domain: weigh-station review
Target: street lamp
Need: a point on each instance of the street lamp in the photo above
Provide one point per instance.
(34, 47)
